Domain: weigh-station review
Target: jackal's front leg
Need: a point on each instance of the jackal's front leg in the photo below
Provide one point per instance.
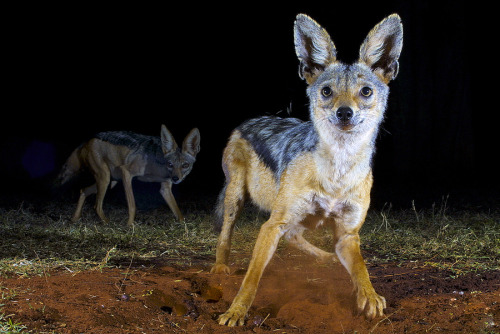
(266, 244)
(166, 193)
(368, 301)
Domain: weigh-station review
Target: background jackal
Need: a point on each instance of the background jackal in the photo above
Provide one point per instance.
(120, 155)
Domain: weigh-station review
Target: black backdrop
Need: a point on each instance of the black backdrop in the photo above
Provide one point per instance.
(77, 69)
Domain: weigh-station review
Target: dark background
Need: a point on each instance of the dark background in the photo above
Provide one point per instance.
(77, 69)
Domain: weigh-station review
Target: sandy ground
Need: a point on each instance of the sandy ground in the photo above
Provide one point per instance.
(296, 295)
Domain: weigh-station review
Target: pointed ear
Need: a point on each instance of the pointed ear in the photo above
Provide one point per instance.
(382, 47)
(313, 47)
(168, 144)
(191, 144)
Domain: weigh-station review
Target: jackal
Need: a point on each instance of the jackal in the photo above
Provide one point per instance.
(122, 155)
(315, 172)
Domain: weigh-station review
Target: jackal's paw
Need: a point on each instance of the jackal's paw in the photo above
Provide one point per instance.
(220, 268)
(370, 303)
(235, 316)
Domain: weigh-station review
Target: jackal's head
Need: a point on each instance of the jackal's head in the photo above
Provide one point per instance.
(348, 99)
(179, 162)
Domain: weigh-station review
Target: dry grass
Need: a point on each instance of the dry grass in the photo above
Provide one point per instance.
(36, 240)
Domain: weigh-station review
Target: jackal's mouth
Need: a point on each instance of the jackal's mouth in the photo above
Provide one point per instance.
(345, 126)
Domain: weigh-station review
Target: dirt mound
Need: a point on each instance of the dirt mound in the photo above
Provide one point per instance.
(296, 295)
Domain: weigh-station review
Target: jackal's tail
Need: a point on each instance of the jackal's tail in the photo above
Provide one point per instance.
(219, 210)
(70, 168)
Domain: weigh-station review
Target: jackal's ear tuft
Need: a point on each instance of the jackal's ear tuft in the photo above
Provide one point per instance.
(168, 144)
(313, 47)
(191, 144)
(382, 47)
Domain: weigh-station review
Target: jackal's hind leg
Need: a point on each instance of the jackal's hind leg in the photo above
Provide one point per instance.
(129, 194)
(81, 200)
(102, 183)
(297, 239)
(232, 202)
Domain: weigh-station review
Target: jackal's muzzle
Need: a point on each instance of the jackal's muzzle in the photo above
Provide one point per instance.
(345, 119)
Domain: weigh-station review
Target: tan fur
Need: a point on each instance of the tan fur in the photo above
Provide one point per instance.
(306, 198)
(328, 183)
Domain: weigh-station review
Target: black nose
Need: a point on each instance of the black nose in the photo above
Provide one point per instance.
(175, 178)
(344, 114)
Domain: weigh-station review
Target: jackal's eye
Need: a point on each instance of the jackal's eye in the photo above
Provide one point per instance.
(170, 165)
(185, 165)
(366, 91)
(326, 91)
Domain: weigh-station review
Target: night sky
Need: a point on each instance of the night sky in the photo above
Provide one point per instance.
(75, 70)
